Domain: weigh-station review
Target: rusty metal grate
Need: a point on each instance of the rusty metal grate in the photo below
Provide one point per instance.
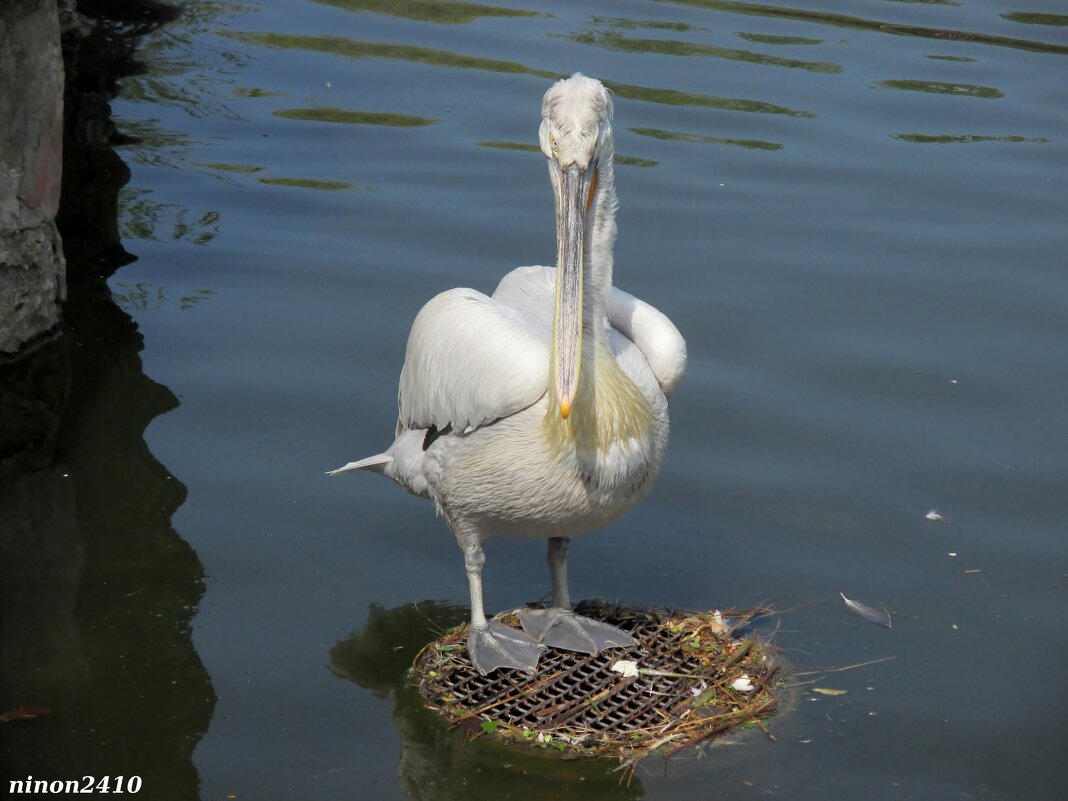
(684, 693)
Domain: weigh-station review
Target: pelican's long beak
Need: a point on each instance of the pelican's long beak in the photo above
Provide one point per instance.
(575, 190)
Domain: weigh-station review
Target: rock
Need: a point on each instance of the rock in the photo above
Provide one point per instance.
(32, 271)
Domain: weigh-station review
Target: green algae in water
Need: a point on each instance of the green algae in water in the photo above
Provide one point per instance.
(346, 117)
(308, 183)
(430, 10)
(677, 136)
(1035, 18)
(943, 88)
(224, 167)
(767, 38)
(947, 139)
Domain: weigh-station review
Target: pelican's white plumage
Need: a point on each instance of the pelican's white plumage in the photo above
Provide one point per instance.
(540, 411)
(470, 360)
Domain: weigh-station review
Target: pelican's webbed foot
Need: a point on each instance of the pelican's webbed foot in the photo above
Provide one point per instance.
(562, 628)
(496, 645)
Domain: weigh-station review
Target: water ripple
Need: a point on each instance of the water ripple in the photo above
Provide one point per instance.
(611, 40)
(859, 23)
(353, 48)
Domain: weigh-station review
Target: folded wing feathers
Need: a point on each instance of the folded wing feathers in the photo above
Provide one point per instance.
(470, 360)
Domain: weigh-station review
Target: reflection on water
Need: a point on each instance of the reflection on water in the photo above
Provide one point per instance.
(353, 48)
(949, 139)
(177, 78)
(144, 217)
(442, 13)
(320, 114)
(635, 24)
(943, 88)
(770, 39)
(146, 297)
(436, 763)
(310, 183)
(860, 23)
(931, 2)
(224, 167)
(1033, 18)
(669, 47)
(826, 272)
(675, 136)
(97, 590)
(255, 91)
(443, 58)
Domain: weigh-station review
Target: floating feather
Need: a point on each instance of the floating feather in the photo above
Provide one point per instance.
(878, 616)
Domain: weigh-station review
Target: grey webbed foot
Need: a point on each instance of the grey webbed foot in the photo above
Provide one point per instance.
(496, 645)
(562, 628)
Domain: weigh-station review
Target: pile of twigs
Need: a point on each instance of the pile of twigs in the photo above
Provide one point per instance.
(691, 680)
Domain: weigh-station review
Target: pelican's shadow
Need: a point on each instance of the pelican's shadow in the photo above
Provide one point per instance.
(436, 762)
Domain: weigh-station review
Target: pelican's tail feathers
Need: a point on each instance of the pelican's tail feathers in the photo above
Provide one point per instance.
(375, 463)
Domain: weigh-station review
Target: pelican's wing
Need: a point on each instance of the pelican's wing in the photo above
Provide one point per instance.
(531, 290)
(470, 360)
(655, 335)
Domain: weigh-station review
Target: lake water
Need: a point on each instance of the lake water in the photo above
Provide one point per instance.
(854, 212)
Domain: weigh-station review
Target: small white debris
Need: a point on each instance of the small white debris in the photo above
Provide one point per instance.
(952, 553)
(953, 381)
(329, 85)
(720, 625)
(742, 684)
(626, 667)
(934, 515)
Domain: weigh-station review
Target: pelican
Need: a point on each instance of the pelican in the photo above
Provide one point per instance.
(540, 411)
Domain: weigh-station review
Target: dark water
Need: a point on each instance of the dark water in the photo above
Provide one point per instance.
(855, 213)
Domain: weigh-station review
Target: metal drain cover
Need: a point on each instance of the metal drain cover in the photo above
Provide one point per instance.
(695, 681)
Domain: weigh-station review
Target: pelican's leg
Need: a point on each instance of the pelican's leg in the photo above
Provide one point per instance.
(558, 625)
(491, 644)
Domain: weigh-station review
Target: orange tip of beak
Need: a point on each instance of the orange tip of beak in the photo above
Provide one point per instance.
(565, 407)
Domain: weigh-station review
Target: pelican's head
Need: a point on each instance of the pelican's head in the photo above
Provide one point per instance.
(576, 135)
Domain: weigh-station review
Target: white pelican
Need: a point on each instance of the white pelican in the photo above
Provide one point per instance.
(540, 411)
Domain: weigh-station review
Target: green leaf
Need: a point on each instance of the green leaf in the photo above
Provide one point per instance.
(489, 726)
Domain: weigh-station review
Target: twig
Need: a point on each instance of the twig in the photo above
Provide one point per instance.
(847, 667)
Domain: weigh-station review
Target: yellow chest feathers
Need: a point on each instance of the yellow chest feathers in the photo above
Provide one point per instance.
(608, 409)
